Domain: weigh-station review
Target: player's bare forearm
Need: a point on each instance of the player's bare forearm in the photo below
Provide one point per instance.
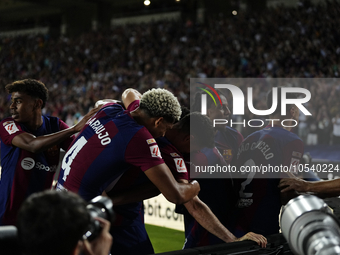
(102, 102)
(321, 189)
(206, 218)
(177, 193)
(29, 142)
(79, 126)
(130, 95)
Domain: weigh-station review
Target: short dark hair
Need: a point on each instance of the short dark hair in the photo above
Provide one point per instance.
(185, 111)
(198, 125)
(52, 222)
(30, 87)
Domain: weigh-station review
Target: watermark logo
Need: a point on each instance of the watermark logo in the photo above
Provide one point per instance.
(204, 97)
(239, 102)
(238, 99)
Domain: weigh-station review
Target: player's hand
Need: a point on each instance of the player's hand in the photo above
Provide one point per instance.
(102, 102)
(260, 239)
(102, 244)
(83, 121)
(296, 184)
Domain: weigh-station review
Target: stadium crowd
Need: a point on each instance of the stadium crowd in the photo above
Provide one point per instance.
(277, 42)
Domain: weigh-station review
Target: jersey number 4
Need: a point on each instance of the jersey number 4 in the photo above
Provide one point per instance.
(71, 154)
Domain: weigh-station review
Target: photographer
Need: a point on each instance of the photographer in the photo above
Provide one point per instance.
(54, 223)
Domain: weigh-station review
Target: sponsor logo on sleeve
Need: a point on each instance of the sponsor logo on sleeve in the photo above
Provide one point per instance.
(180, 165)
(155, 151)
(10, 127)
(151, 141)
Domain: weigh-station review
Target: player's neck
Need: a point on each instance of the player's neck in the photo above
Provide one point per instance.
(142, 118)
(34, 123)
(139, 117)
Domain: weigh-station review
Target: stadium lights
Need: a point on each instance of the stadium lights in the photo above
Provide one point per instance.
(147, 2)
(234, 12)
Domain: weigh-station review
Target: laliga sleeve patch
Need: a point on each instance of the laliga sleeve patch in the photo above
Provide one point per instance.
(10, 127)
(297, 154)
(174, 154)
(155, 151)
(180, 165)
(151, 141)
(293, 165)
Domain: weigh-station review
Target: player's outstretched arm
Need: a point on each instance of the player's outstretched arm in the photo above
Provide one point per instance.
(321, 189)
(207, 219)
(102, 102)
(177, 193)
(130, 95)
(29, 142)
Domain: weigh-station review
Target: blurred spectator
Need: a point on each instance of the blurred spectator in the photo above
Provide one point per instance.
(336, 129)
(312, 137)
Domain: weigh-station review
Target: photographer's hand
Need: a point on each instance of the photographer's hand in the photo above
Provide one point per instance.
(102, 244)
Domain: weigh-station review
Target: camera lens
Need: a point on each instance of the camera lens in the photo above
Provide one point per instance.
(99, 207)
(309, 226)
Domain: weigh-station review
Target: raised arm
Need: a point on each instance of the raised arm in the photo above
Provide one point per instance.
(29, 142)
(129, 96)
(103, 102)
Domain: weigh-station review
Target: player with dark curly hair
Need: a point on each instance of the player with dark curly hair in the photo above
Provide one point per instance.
(29, 153)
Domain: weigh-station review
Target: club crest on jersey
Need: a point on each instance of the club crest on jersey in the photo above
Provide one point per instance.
(227, 154)
(151, 141)
(180, 165)
(174, 154)
(53, 151)
(155, 151)
(10, 127)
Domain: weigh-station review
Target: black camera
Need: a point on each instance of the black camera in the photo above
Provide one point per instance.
(101, 207)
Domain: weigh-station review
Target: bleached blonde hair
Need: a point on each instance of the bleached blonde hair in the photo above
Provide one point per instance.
(161, 103)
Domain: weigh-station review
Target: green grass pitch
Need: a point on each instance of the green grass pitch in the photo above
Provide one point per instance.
(165, 239)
